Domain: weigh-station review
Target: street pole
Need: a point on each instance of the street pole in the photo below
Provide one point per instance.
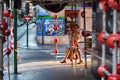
(15, 40)
(42, 30)
(27, 34)
(84, 34)
(1, 44)
(27, 20)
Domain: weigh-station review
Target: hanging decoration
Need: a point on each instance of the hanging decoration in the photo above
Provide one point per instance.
(113, 41)
(55, 39)
(3, 39)
(55, 28)
(56, 51)
(104, 5)
(55, 17)
(5, 25)
(6, 13)
(73, 15)
(82, 14)
(87, 34)
(11, 15)
(8, 33)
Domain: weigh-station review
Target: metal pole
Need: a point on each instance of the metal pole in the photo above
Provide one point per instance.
(1, 44)
(114, 70)
(27, 34)
(118, 56)
(71, 34)
(15, 40)
(103, 45)
(84, 36)
(8, 67)
(106, 72)
(42, 30)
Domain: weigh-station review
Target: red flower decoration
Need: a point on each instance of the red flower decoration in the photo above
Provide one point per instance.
(55, 28)
(56, 51)
(55, 40)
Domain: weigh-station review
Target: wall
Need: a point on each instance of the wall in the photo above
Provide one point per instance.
(63, 40)
(88, 19)
(61, 13)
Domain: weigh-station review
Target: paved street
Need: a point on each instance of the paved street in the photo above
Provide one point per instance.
(39, 63)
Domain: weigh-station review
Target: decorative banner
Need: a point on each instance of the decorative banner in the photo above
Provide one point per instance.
(48, 24)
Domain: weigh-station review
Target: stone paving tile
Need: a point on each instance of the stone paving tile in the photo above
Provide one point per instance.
(40, 65)
(50, 70)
